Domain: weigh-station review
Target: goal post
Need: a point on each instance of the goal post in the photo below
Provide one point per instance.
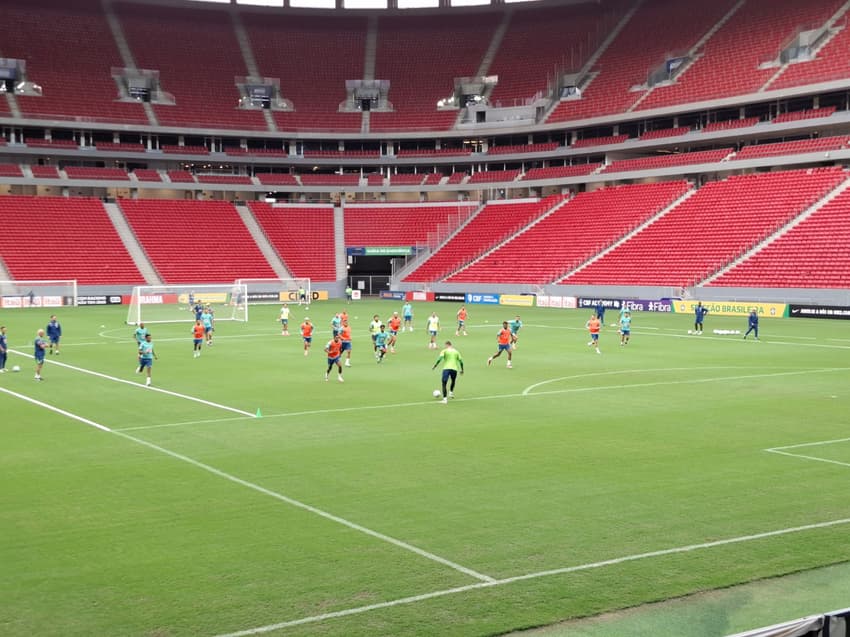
(273, 291)
(38, 293)
(174, 303)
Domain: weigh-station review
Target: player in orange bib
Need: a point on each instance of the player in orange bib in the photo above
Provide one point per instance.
(307, 335)
(198, 337)
(394, 324)
(504, 339)
(345, 337)
(593, 325)
(334, 350)
(461, 321)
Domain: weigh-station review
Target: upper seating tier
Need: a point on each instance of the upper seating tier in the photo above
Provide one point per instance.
(69, 51)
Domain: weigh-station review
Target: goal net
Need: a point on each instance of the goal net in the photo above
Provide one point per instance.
(38, 293)
(273, 291)
(175, 303)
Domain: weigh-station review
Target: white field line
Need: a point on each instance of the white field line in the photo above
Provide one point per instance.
(530, 576)
(530, 388)
(525, 393)
(804, 457)
(817, 443)
(782, 451)
(268, 492)
(134, 384)
(62, 412)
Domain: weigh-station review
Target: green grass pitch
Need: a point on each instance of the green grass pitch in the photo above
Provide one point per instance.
(570, 485)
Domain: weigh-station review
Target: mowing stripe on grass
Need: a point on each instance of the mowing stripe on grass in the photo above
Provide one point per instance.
(308, 507)
(530, 576)
(67, 414)
(256, 487)
(527, 392)
(146, 388)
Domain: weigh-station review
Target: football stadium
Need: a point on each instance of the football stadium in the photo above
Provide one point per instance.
(413, 318)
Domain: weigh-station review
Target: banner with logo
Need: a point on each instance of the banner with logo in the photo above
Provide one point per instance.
(733, 308)
(381, 251)
(560, 302)
(419, 296)
(452, 297)
(644, 305)
(100, 299)
(392, 294)
(819, 311)
(483, 299)
(35, 301)
(315, 295)
(520, 300)
(608, 304)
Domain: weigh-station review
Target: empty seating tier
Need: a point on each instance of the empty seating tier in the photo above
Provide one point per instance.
(809, 113)
(197, 55)
(145, 174)
(196, 241)
(69, 51)
(729, 124)
(812, 254)
(491, 176)
(821, 145)
(572, 234)
(330, 49)
(665, 132)
(89, 250)
(87, 172)
(599, 141)
(492, 224)
(277, 179)
(668, 161)
(421, 58)
(630, 57)
(522, 148)
(709, 229)
(386, 225)
(556, 172)
(303, 237)
(732, 60)
(236, 180)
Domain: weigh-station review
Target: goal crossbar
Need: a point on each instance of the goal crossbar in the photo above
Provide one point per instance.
(180, 303)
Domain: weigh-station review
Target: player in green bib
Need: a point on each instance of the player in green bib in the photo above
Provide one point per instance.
(452, 364)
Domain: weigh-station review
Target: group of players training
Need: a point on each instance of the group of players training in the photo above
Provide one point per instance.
(46, 342)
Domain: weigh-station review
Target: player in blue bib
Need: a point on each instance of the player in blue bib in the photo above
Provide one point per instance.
(625, 328)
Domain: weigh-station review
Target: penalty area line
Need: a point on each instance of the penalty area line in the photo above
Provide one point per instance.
(149, 388)
(536, 575)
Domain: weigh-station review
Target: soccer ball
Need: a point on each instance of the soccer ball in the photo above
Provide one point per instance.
(16, 368)
(437, 393)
